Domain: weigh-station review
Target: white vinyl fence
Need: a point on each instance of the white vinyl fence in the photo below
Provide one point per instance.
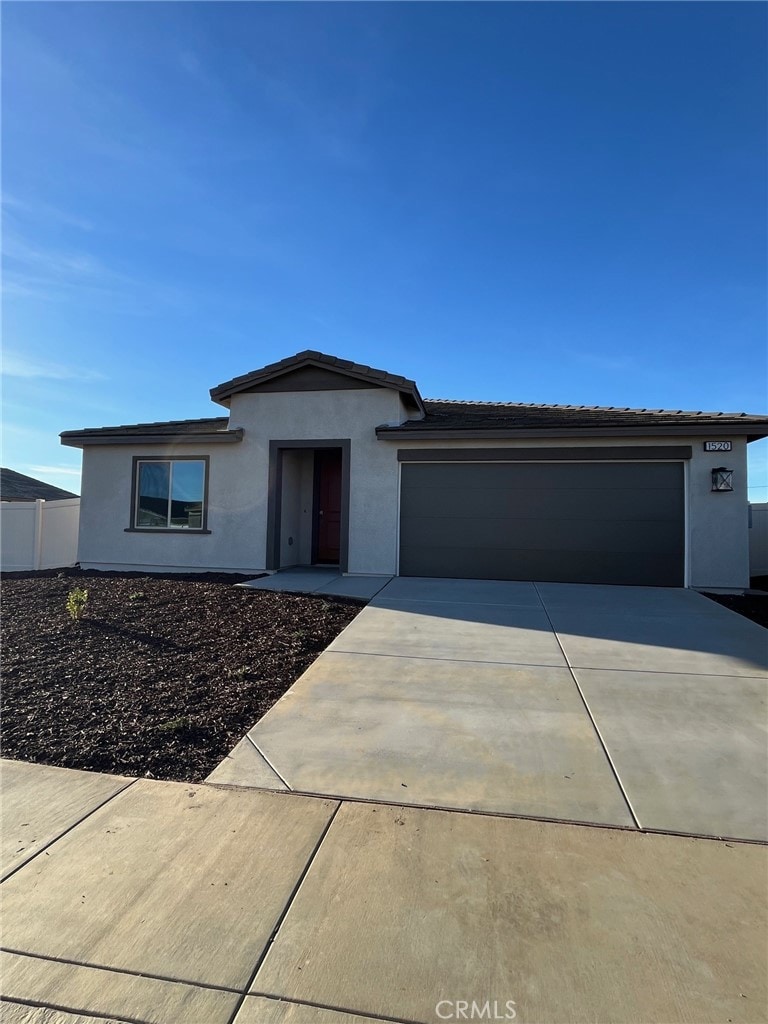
(38, 534)
(758, 539)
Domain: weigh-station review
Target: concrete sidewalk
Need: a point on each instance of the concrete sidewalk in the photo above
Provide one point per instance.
(169, 903)
(629, 706)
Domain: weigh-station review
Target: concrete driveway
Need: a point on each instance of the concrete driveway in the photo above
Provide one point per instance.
(626, 706)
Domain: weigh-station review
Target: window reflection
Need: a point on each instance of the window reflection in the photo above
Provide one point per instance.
(170, 494)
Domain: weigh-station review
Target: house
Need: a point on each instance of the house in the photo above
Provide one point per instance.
(319, 460)
(38, 524)
(18, 487)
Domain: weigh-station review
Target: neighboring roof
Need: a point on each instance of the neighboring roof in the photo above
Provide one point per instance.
(357, 371)
(18, 487)
(448, 418)
(211, 429)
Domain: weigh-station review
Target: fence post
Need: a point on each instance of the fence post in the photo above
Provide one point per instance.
(38, 555)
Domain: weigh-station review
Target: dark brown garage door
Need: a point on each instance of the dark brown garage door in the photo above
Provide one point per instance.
(574, 523)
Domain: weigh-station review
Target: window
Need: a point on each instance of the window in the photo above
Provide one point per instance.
(170, 494)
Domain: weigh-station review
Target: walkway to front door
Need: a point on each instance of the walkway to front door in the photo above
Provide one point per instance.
(311, 579)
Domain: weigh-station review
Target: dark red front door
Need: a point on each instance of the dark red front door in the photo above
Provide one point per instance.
(327, 505)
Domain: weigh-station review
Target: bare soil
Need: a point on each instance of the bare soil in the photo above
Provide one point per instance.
(162, 675)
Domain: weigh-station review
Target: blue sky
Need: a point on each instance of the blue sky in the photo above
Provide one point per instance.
(515, 202)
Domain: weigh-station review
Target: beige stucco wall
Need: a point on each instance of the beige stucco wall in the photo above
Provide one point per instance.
(758, 540)
(719, 523)
(718, 542)
(237, 505)
(323, 415)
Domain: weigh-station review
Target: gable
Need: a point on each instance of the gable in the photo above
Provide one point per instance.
(311, 378)
(316, 371)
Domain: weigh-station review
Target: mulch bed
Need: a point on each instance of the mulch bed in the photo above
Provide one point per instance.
(163, 674)
(752, 606)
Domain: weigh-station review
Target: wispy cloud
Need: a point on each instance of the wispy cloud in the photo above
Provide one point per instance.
(16, 365)
(56, 470)
(42, 211)
(49, 273)
(16, 430)
(189, 62)
(53, 274)
(62, 265)
(333, 131)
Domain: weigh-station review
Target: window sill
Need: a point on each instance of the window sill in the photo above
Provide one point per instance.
(179, 531)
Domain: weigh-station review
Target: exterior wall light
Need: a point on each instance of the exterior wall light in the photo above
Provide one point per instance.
(722, 479)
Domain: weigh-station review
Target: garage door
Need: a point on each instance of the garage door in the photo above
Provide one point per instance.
(573, 523)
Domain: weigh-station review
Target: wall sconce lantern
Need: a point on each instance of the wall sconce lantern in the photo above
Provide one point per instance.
(722, 479)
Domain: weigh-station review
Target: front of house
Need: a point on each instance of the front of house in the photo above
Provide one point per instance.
(324, 461)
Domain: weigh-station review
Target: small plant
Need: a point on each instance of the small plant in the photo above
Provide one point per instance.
(77, 602)
(138, 595)
(175, 724)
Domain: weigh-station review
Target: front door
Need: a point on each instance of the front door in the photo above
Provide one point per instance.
(327, 531)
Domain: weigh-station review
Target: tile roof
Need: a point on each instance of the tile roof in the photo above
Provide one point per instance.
(444, 415)
(172, 427)
(208, 430)
(18, 487)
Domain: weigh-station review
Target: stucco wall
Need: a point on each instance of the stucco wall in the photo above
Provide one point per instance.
(719, 534)
(718, 542)
(758, 540)
(323, 415)
(237, 508)
(236, 503)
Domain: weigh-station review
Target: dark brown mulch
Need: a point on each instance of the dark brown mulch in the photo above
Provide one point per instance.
(161, 677)
(752, 606)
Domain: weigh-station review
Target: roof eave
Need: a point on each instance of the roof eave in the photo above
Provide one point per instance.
(82, 439)
(402, 433)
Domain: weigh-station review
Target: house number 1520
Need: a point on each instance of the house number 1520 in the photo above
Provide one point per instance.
(717, 446)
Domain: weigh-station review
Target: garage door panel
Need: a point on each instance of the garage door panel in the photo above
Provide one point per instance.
(540, 534)
(569, 522)
(555, 475)
(620, 568)
(599, 503)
